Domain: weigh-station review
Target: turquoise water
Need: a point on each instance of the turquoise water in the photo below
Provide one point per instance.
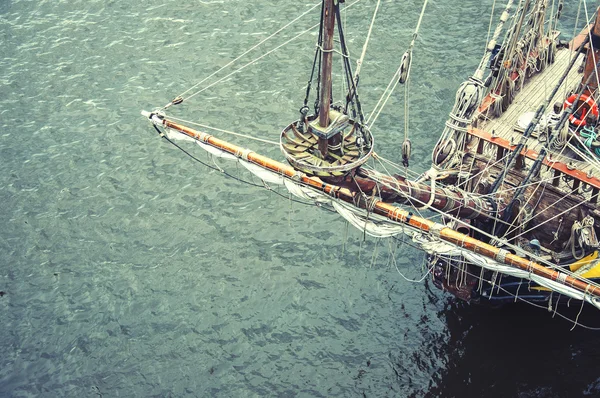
(130, 270)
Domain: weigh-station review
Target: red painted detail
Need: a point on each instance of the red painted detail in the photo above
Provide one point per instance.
(591, 107)
(533, 155)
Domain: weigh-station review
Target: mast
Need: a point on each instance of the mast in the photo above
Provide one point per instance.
(326, 67)
(330, 143)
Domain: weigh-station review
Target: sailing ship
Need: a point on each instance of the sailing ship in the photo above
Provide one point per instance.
(514, 178)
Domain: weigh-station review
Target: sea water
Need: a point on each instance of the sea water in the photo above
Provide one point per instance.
(129, 269)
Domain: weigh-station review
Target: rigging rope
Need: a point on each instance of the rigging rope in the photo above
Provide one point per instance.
(179, 99)
(500, 241)
(575, 206)
(271, 142)
(400, 76)
(352, 97)
(364, 50)
(219, 169)
(253, 61)
(333, 201)
(225, 131)
(245, 52)
(487, 39)
(590, 136)
(498, 286)
(532, 125)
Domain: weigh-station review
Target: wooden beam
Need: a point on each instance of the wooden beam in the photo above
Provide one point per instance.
(533, 155)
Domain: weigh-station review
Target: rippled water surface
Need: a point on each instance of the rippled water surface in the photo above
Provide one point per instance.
(130, 270)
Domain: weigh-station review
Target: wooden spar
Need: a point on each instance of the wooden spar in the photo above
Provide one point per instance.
(389, 211)
(580, 38)
(452, 202)
(326, 67)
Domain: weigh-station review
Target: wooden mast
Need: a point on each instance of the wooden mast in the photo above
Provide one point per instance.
(326, 67)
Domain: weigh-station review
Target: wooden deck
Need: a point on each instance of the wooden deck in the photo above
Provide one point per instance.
(504, 131)
(531, 96)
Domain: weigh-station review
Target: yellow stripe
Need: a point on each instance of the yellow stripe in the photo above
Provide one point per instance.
(584, 261)
(592, 273)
